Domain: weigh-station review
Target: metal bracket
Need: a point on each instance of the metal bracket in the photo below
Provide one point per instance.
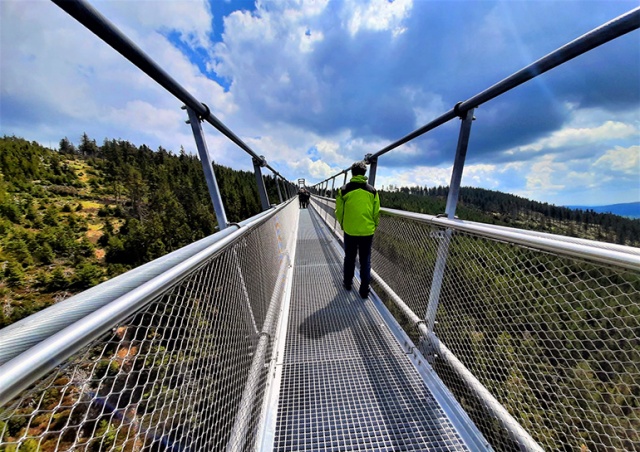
(261, 162)
(456, 110)
(461, 114)
(200, 117)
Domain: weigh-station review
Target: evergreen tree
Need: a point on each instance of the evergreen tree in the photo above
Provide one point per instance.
(66, 147)
(88, 147)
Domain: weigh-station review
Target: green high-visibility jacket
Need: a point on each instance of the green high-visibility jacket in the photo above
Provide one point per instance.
(358, 207)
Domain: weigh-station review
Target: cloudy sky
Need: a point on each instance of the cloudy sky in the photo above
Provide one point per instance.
(314, 85)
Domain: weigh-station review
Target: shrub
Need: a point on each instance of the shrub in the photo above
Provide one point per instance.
(58, 280)
(14, 274)
(51, 216)
(44, 254)
(11, 212)
(86, 276)
(18, 249)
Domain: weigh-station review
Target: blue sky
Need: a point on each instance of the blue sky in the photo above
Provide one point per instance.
(314, 85)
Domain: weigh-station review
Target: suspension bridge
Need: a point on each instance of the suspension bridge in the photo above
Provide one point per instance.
(475, 337)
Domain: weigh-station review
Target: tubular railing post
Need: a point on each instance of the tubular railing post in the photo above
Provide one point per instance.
(207, 166)
(262, 190)
(278, 187)
(285, 195)
(373, 164)
(333, 186)
(458, 164)
(346, 174)
(452, 200)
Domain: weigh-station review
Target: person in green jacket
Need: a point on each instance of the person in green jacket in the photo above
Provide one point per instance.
(358, 212)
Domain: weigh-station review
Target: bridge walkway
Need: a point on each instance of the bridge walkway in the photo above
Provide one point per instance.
(346, 380)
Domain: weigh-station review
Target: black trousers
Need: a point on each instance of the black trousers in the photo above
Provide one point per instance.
(361, 246)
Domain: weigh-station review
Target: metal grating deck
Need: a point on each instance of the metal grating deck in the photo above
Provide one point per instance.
(346, 383)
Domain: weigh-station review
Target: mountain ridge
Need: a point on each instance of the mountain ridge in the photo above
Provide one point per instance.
(626, 209)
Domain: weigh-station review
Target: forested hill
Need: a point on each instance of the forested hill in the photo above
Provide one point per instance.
(487, 206)
(73, 217)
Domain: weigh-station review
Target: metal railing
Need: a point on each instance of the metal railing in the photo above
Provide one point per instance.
(178, 363)
(533, 333)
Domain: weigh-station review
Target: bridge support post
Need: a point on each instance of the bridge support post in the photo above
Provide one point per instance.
(207, 166)
(458, 164)
(373, 167)
(262, 190)
(333, 186)
(278, 187)
(452, 201)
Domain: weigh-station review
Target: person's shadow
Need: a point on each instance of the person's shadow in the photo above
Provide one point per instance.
(327, 320)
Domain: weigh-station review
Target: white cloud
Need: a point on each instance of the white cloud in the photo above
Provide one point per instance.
(541, 178)
(377, 15)
(621, 160)
(191, 20)
(421, 176)
(574, 137)
(317, 170)
(308, 39)
(332, 151)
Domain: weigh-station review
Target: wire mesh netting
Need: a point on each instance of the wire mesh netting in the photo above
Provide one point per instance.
(555, 339)
(173, 376)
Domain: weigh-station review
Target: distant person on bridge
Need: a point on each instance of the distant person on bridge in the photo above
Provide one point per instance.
(306, 197)
(301, 197)
(358, 212)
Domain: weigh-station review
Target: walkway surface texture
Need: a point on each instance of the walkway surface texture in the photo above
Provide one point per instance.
(347, 383)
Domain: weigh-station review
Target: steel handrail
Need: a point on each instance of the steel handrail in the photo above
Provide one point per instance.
(623, 256)
(620, 255)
